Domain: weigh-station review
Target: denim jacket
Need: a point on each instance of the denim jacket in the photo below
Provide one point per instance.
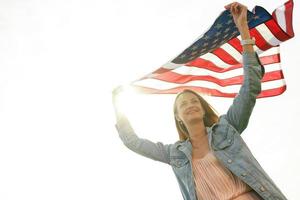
(224, 141)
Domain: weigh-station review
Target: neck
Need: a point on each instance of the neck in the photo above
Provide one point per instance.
(198, 135)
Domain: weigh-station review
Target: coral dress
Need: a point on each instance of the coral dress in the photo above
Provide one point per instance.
(213, 181)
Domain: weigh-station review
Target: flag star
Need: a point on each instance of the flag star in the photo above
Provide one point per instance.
(192, 57)
(218, 26)
(225, 36)
(256, 17)
(182, 56)
(194, 53)
(194, 47)
(227, 29)
(218, 33)
(216, 40)
(234, 32)
(206, 37)
(229, 21)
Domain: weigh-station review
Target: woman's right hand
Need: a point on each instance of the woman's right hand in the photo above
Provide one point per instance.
(115, 94)
(239, 14)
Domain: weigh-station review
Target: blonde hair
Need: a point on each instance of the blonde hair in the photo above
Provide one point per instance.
(210, 117)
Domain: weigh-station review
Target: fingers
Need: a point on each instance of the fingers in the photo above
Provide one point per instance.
(229, 6)
(235, 7)
(117, 90)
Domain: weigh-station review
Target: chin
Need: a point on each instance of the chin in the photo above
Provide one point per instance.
(195, 120)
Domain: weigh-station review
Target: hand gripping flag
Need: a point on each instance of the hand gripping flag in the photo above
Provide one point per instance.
(212, 65)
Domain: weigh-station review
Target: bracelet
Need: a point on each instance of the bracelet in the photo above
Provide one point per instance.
(248, 41)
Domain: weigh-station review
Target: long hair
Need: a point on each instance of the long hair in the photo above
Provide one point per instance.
(209, 119)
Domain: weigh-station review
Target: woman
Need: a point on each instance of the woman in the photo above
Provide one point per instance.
(211, 160)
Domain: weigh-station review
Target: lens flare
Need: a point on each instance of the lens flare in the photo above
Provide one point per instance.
(126, 99)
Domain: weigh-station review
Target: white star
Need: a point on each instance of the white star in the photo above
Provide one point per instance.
(218, 26)
(182, 56)
(205, 44)
(256, 17)
(206, 37)
(194, 47)
(225, 36)
(226, 30)
(194, 53)
(216, 40)
(229, 21)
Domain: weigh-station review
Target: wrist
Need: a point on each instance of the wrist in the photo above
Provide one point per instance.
(245, 33)
(243, 27)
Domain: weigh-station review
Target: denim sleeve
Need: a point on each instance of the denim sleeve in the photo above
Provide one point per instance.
(156, 151)
(239, 112)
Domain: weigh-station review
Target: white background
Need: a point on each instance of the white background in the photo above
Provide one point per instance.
(60, 60)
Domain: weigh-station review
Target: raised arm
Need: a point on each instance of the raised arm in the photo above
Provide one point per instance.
(239, 112)
(156, 151)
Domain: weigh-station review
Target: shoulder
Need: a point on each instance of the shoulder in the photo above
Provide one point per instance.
(222, 126)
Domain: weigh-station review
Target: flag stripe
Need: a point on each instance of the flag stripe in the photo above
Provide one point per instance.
(267, 35)
(193, 71)
(265, 60)
(205, 64)
(260, 41)
(236, 43)
(174, 77)
(289, 17)
(212, 92)
(276, 30)
(284, 17)
(225, 57)
(158, 84)
(280, 17)
(235, 54)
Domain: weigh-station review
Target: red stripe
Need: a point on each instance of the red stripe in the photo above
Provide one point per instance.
(225, 57)
(265, 60)
(271, 76)
(274, 15)
(206, 64)
(260, 42)
(202, 90)
(289, 17)
(173, 77)
(209, 92)
(276, 30)
(272, 92)
(235, 42)
(161, 70)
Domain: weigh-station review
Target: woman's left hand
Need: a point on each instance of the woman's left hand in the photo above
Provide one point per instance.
(239, 13)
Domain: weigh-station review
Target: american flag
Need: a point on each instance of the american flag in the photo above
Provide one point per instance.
(212, 65)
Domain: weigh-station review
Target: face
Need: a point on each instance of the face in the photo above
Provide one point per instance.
(189, 108)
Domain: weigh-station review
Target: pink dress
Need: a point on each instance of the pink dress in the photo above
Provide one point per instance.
(213, 181)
